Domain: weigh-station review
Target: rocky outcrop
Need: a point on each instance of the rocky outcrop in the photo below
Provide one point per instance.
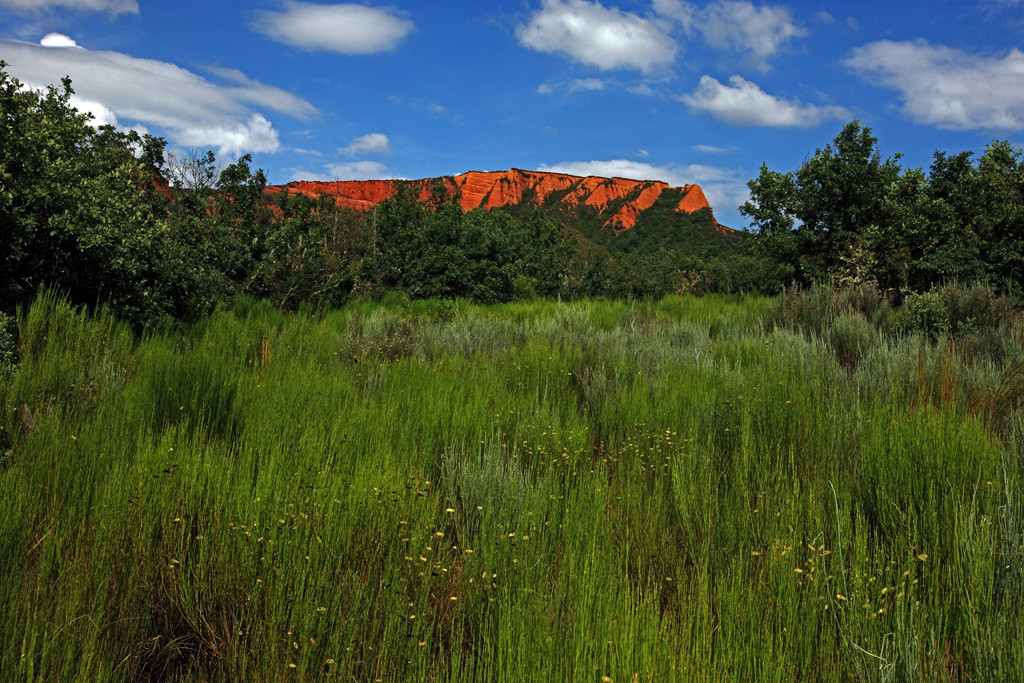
(622, 199)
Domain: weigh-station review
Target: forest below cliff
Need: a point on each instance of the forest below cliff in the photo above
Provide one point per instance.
(87, 211)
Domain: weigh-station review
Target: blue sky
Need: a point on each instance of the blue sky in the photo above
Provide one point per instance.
(673, 90)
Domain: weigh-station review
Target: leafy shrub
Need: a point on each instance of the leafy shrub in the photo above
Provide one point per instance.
(8, 343)
(926, 313)
(956, 310)
(974, 308)
(851, 337)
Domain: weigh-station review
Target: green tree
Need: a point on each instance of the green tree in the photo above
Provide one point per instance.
(312, 253)
(838, 204)
(79, 206)
(218, 225)
(999, 215)
(944, 241)
(433, 248)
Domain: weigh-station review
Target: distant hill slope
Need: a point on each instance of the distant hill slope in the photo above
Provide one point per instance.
(612, 204)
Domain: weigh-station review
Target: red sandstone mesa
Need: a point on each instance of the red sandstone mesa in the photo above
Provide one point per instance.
(502, 188)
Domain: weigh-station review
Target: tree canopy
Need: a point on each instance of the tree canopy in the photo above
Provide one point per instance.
(848, 215)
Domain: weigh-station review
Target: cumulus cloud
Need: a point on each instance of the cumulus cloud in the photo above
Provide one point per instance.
(744, 103)
(355, 170)
(101, 115)
(759, 31)
(605, 37)
(678, 10)
(947, 87)
(371, 143)
(193, 110)
(725, 188)
(57, 40)
(113, 7)
(254, 135)
(346, 28)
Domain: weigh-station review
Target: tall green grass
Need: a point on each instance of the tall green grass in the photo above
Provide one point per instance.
(674, 490)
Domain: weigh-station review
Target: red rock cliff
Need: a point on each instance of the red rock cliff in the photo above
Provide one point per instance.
(503, 188)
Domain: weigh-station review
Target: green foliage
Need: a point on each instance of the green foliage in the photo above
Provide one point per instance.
(433, 249)
(8, 343)
(311, 253)
(956, 310)
(851, 337)
(79, 208)
(926, 312)
(86, 212)
(832, 199)
(848, 216)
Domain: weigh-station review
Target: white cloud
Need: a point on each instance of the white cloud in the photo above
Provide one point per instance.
(114, 7)
(101, 115)
(725, 188)
(744, 103)
(585, 85)
(605, 37)
(346, 28)
(57, 40)
(355, 170)
(760, 32)
(573, 86)
(711, 149)
(678, 10)
(254, 135)
(191, 109)
(371, 143)
(947, 87)
(358, 170)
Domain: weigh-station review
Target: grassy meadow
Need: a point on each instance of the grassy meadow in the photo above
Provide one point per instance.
(687, 489)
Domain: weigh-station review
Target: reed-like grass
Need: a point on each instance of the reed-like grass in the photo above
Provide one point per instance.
(541, 491)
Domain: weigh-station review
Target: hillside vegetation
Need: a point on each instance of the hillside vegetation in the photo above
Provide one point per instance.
(699, 488)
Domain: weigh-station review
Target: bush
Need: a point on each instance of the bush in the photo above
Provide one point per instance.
(864, 299)
(8, 343)
(956, 310)
(806, 310)
(926, 313)
(974, 308)
(851, 338)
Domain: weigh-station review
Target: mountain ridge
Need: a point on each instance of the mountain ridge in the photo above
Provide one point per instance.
(622, 199)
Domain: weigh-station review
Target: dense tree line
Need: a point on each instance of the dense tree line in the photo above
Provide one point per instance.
(848, 216)
(87, 211)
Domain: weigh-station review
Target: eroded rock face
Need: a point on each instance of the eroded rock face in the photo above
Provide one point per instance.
(503, 188)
